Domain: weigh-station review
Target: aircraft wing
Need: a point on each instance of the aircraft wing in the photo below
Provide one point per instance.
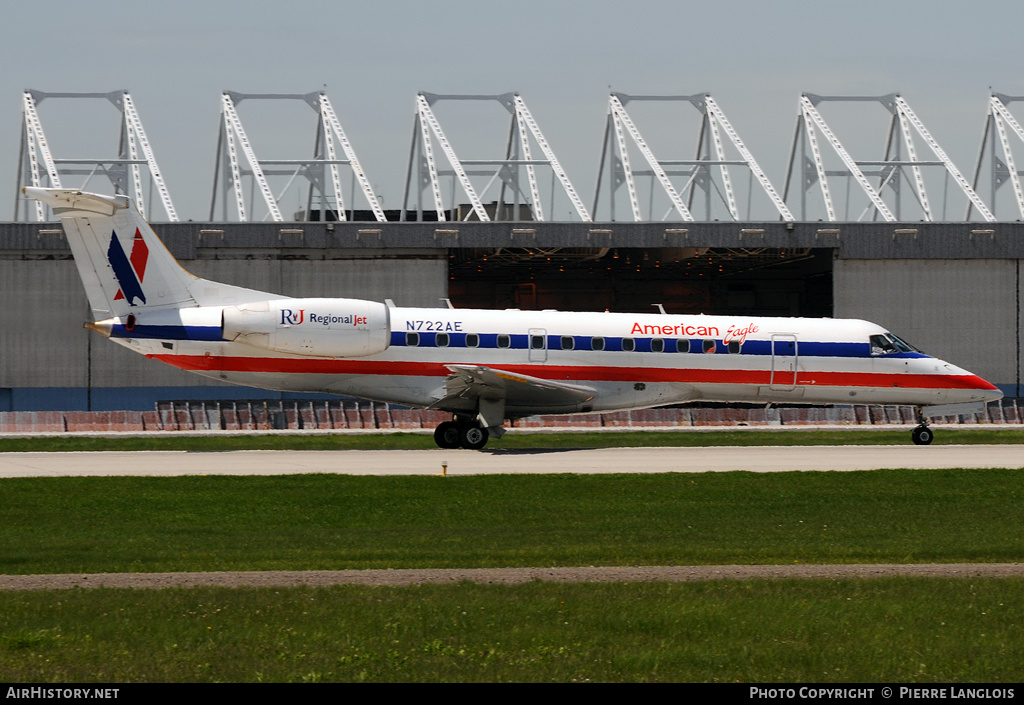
(468, 384)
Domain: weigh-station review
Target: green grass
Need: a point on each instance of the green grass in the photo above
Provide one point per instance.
(196, 523)
(512, 440)
(897, 630)
(858, 631)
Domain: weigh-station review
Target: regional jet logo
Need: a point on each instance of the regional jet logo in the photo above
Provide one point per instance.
(129, 272)
(290, 318)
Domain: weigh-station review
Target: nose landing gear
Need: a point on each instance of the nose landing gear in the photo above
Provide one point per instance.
(922, 435)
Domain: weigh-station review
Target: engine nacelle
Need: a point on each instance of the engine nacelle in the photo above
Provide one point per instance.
(314, 327)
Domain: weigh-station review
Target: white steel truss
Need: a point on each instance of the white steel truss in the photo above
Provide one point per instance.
(622, 120)
(813, 118)
(889, 170)
(907, 113)
(518, 160)
(136, 133)
(711, 153)
(331, 131)
(716, 113)
(38, 166)
(524, 117)
(322, 171)
(1002, 169)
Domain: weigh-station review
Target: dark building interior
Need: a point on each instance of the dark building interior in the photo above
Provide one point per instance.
(756, 281)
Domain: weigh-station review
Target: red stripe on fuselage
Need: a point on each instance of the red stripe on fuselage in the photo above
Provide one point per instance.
(282, 365)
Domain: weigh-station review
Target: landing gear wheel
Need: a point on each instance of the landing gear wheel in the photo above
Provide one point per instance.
(922, 435)
(447, 435)
(473, 437)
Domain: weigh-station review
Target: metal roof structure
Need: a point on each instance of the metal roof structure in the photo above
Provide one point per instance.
(840, 170)
(321, 171)
(699, 172)
(515, 173)
(37, 166)
(1001, 169)
(890, 173)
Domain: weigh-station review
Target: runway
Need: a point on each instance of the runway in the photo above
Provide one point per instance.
(497, 461)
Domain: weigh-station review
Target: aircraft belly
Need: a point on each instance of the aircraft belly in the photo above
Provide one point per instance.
(421, 382)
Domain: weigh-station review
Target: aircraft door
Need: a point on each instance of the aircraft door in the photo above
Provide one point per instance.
(538, 345)
(784, 362)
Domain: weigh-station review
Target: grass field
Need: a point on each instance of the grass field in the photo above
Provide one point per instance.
(296, 522)
(893, 630)
(878, 630)
(512, 440)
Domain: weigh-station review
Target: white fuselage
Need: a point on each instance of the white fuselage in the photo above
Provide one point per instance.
(628, 360)
(483, 366)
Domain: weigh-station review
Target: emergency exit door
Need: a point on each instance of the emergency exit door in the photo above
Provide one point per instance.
(784, 362)
(538, 343)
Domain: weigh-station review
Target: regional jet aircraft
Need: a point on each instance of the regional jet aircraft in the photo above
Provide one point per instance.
(482, 366)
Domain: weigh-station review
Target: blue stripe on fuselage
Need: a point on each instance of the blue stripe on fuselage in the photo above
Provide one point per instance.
(142, 331)
(582, 343)
(614, 344)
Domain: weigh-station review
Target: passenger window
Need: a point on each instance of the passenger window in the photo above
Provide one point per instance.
(683, 345)
(537, 342)
(657, 345)
(504, 341)
(568, 343)
(472, 340)
(709, 346)
(412, 339)
(734, 347)
(442, 340)
(597, 343)
(628, 344)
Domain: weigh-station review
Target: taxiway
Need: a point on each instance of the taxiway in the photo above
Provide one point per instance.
(494, 461)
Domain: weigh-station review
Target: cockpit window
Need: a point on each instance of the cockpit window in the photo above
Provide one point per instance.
(880, 345)
(902, 344)
(889, 344)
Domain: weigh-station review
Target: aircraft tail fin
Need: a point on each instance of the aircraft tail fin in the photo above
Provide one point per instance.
(123, 264)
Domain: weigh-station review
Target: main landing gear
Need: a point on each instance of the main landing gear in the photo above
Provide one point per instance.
(922, 435)
(460, 434)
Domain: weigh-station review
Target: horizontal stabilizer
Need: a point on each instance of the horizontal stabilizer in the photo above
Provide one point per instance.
(63, 200)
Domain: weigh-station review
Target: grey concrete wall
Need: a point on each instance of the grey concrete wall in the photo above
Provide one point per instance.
(43, 307)
(963, 311)
(408, 281)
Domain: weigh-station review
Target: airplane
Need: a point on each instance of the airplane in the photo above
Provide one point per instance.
(483, 366)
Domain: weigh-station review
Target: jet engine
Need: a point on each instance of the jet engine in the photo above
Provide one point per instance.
(314, 327)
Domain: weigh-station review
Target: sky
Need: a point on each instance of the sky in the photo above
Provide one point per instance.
(562, 56)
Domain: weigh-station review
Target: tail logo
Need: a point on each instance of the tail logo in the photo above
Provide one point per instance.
(129, 271)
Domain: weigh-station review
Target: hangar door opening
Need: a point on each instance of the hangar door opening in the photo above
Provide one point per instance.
(756, 281)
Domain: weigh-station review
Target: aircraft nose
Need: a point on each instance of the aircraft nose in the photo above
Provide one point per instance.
(980, 390)
(989, 393)
(969, 387)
